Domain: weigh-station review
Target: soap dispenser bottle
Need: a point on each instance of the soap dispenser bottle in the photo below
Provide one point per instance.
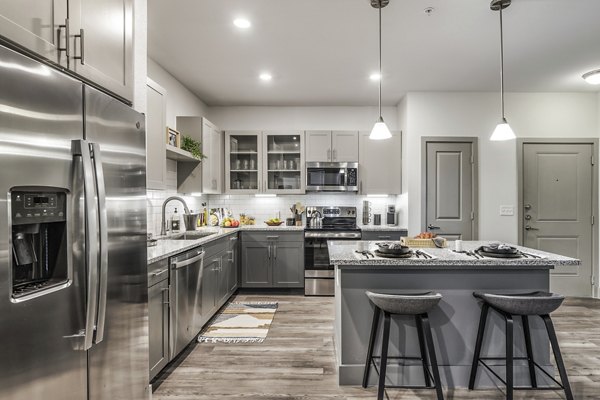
(175, 221)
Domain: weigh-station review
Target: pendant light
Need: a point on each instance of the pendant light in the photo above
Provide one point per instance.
(503, 130)
(380, 130)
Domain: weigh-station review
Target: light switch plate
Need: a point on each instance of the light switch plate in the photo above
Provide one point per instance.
(507, 210)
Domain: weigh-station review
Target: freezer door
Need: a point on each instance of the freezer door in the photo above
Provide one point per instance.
(118, 360)
(41, 336)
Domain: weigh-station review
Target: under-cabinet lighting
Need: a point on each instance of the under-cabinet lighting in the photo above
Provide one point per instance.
(265, 77)
(196, 194)
(377, 195)
(375, 77)
(265, 195)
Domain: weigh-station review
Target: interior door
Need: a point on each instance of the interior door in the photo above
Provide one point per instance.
(557, 209)
(449, 189)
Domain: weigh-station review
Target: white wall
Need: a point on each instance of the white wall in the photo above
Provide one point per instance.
(476, 114)
(180, 100)
(301, 118)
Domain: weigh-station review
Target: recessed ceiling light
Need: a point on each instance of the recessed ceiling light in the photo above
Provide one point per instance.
(592, 77)
(375, 77)
(265, 76)
(242, 23)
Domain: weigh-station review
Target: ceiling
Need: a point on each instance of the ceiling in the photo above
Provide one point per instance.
(321, 52)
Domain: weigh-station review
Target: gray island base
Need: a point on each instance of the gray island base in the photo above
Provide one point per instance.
(454, 322)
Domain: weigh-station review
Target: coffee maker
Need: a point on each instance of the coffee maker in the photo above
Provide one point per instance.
(391, 216)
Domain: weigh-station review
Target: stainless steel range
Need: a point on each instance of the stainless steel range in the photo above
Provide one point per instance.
(323, 224)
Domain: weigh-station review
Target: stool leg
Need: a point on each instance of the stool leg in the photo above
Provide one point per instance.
(372, 338)
(557, 356)
(434, 365)
(527, 333)
(509, 357)
(423, 350)
(477, 353)
(384, 354)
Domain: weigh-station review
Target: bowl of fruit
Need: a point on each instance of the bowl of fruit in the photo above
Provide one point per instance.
(274, 222)
(229, 222)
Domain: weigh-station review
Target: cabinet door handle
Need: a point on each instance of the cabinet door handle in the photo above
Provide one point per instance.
(275, 251)
(334, 154)
(328, 154)
(163, 293)
(269, 251)
(81, 56)
(58, 41)
(272, 237)
(158, 273)
(384, 237)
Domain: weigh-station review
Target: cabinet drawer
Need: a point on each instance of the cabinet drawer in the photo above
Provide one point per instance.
(158, 272)
(383, 235)
(268, 236)
(217, 246)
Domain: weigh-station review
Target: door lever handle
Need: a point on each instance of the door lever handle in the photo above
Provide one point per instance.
(530, 228)
(432, 227)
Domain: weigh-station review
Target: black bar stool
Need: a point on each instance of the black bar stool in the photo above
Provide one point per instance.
(524, 305)
(403, 304)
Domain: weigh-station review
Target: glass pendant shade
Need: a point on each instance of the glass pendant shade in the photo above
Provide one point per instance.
(380, 131)
(503, 132)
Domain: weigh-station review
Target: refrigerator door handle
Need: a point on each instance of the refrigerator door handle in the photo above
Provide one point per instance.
(81, 148)
(103, 229)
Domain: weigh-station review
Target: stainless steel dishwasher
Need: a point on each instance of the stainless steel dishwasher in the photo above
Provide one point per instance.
(185, 299)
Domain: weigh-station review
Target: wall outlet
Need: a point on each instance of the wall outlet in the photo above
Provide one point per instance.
(507, 210)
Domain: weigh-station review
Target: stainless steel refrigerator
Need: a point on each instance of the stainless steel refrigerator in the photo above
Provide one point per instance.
(73, 299)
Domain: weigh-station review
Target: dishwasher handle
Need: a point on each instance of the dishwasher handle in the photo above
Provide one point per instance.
(185, 263)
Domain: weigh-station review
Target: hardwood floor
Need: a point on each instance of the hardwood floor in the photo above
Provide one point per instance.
(297, 360)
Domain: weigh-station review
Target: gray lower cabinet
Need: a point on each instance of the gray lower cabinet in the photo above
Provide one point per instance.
(384, 235)
(272, 260)
(210, 276)
(288, 264)
(158, 316)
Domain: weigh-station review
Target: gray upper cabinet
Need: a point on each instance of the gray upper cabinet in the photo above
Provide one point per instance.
(380, 164)
(37, 25)
(156, 100)
(344, 146)
(212, 165)
(331, 146)
(99, 46)
(318, 146)
(102, 44)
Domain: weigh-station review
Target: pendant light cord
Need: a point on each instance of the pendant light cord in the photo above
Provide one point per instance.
(380, 77)
(502, 65)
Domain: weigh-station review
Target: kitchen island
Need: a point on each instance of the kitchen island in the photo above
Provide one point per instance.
(454, 321)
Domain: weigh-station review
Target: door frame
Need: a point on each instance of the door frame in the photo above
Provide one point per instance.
(474, 173)
(594, 142)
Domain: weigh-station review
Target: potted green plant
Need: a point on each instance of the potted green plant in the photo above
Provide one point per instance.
(192, 146)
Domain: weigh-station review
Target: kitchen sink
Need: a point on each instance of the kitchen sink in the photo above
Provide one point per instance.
(192, 235)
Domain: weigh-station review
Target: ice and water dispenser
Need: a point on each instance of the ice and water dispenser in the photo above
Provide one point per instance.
(40, 259)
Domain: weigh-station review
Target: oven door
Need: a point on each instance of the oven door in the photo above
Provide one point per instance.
(325, 177)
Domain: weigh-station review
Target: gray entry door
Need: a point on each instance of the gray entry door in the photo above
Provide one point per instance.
(557, 209)
(449, 189)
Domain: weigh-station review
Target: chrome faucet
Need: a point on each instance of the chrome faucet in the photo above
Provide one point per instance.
(163, 224)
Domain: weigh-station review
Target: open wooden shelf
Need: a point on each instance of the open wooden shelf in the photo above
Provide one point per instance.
(175, 153)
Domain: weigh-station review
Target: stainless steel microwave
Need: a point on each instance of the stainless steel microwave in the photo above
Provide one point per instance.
(332, 176)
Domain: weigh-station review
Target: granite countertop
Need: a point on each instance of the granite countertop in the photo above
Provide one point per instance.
(166, 247)
(375, 228)
(342, 254)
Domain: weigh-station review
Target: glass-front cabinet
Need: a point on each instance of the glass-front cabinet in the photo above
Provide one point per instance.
(264, 162)
(243, 162)
(283, 160)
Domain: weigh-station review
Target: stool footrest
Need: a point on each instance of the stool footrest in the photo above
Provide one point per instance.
(482, 362)
(405, 358)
